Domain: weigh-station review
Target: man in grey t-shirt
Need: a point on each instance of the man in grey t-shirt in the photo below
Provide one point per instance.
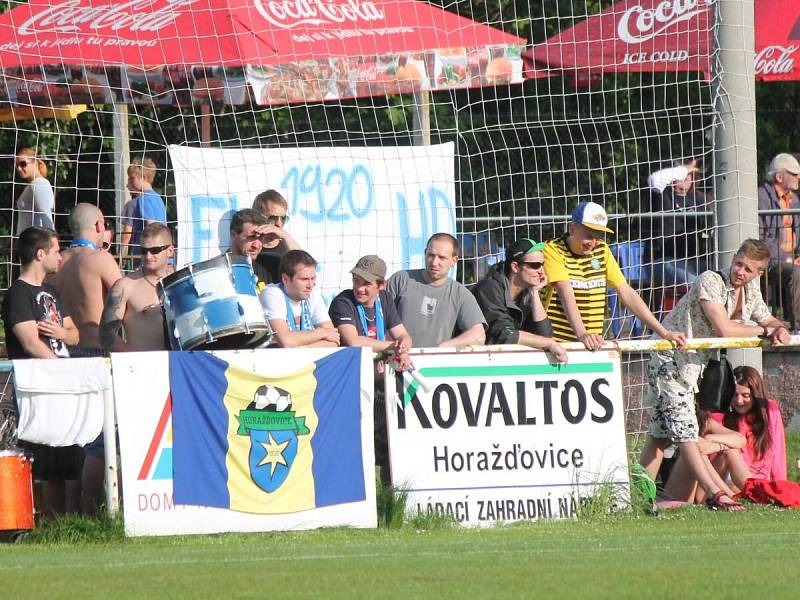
(436, 310)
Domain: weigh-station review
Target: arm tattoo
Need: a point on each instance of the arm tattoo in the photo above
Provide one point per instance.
(110, 322)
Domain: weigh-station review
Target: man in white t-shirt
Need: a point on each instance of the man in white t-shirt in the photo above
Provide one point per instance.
(296, 312)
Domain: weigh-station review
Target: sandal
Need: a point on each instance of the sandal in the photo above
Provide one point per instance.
(715, 502)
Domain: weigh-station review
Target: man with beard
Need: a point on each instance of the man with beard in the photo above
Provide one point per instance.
(436, 310)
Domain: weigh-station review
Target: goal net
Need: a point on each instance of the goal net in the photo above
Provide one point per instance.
(380, 121)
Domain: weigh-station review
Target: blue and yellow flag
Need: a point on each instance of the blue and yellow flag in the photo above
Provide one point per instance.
(265, 445)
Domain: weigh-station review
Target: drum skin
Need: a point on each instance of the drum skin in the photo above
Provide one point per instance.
(16, 491)
(213, 305)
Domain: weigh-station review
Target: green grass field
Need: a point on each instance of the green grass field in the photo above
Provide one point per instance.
(687, 553)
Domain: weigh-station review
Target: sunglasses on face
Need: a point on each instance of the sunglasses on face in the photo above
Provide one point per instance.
(154, 249)
(23, 163)
(274, 219)
(533, 264)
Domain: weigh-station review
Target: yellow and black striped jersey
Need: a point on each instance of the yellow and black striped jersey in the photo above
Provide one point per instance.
(589, 277)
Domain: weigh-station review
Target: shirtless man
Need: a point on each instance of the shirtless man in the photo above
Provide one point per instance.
(132, 318)
(86, 275)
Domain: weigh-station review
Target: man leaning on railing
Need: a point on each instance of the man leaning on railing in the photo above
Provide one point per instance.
(725, 303)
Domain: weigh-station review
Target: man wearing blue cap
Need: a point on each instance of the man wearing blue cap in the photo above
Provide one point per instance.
(510, 301)
(579, 267)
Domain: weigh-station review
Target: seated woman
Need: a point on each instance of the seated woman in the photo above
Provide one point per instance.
(759, 420)
(715, 440)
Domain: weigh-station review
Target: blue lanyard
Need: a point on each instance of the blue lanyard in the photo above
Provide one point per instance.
(379, 329)
(306, 324)
(83, 243)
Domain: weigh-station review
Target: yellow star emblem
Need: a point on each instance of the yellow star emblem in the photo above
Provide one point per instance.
(274, 453)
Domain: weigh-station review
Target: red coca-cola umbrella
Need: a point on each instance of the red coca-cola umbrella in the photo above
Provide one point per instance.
(630, 36)
(286, 50)
(777, 40)
(664, 36)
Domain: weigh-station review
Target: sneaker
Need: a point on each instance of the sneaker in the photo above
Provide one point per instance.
(643, 483)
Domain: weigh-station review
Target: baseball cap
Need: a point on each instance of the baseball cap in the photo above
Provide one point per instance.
(522, 247)
(784, 162)
(370, 268)
(591, 215)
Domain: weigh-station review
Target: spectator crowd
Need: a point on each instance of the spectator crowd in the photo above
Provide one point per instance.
(76, 302)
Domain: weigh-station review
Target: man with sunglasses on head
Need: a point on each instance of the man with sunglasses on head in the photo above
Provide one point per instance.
(87, 273)
(276, 240)
(580, 267)
(132, 317)
(510, 301)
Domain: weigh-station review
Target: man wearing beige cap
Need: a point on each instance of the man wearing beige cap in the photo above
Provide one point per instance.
(364, 315)
(579, 267)
(782, 232)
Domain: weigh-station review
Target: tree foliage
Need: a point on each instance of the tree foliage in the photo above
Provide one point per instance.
(523, 151)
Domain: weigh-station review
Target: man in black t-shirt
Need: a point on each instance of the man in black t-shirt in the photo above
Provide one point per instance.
(35, 320)
(276, 240)
(37, 326)
(365, 316)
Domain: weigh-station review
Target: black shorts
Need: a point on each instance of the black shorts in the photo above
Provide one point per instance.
(54, 464)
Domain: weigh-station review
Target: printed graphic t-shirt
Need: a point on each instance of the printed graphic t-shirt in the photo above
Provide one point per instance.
(26, 302)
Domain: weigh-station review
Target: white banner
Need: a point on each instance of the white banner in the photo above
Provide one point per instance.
(344, 202)
(142, 395)
(507, 436)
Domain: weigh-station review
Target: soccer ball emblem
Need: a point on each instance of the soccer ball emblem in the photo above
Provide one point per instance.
(271, 398)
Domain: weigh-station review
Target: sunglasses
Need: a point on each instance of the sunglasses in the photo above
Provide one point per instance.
(23, 163)
(274, 219)
(533, 264)
(155, 249)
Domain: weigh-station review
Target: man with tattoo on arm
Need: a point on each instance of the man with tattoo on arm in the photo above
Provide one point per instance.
(132, 318)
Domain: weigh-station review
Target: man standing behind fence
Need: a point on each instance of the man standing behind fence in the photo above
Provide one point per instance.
(509, 299)
(276, 241)
(436, 310)
(147, 205)
(37, 325)
(579, 267)
(132, 317)
(678, 252)
(86, 275)
(719, 304)
(782, 232)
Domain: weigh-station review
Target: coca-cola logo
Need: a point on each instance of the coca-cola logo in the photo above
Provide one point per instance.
(288, 14)
(639, 24)
(137, 15)
(775, 60)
